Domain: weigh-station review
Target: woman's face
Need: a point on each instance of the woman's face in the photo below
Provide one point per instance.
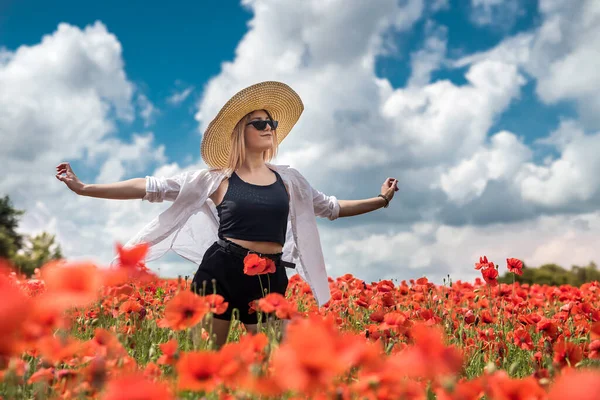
(258, 140)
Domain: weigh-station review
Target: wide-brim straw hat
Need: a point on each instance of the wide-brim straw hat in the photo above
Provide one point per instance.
(281, 102)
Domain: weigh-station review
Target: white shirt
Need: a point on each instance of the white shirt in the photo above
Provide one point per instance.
(190, 225)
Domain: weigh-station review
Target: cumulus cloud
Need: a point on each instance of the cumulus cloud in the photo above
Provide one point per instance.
(61, 100)
(428, 59)
(564, 55)
(502, 159)
(572, 178)
(560, 55)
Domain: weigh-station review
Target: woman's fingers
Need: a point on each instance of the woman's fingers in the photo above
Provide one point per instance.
(392, 182)
(64, 166)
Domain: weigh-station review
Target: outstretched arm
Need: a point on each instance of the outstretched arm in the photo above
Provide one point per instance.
(349, 208)
(150, 188)
(130, 189)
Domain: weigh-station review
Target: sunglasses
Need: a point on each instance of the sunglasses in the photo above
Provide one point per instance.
(262, 125)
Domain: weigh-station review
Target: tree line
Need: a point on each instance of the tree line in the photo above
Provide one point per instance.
(555, 275)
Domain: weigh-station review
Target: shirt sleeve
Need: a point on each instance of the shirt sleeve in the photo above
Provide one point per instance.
(163, 188)
(325, 206)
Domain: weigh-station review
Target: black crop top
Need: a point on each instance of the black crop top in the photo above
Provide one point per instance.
(254, 212)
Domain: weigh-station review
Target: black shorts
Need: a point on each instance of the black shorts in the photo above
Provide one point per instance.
(237, 288)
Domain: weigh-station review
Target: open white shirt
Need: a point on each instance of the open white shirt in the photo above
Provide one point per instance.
(190, 225)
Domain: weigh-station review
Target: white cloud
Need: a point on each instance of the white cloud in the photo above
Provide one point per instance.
(443, 123)
(501, 160)
(126, 159)
(429, 58)
(565, 55)
(570, 180)
(148, 111)
(180, 96)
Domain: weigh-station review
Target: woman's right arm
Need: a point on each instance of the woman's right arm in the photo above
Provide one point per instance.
(125, 190)
(130, 189)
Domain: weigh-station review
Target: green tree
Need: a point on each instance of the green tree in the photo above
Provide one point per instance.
(37, 251)
(26, 252)
(10, 240)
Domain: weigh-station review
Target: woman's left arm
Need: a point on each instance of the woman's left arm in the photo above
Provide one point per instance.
(349, 208)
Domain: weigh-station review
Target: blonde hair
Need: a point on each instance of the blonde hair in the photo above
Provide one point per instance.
(237, 154)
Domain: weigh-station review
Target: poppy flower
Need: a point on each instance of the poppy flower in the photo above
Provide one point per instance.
(184, 310)
(514, 265)
(132, 257)
(576, 384)
(198, 371)
(275, 302)
(74, 284)
(15, 308)
(169, 353)
(567, 353)
(483, 263)
(217, 303)
(490, 276)
(256, 265)
(136, 387)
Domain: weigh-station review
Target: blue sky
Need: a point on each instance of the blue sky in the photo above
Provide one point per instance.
(386, 94)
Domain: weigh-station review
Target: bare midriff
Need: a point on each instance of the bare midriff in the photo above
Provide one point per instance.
(259, 247)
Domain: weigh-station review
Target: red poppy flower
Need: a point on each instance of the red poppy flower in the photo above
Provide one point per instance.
(490, 275)
(257, 265)
(136, 387)
(184, 310)
(483, 263)
(198, 371)
(514, 265)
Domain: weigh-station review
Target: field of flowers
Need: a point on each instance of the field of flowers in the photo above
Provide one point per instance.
(78, 331)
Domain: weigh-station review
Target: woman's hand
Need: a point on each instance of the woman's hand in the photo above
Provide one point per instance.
(70, 179)
(389, 187)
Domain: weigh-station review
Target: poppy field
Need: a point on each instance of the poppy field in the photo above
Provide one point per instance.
(77, 330)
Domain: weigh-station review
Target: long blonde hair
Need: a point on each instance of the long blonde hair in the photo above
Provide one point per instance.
(237, 155)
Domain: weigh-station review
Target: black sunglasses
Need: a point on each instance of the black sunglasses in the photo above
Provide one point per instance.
(262, 125)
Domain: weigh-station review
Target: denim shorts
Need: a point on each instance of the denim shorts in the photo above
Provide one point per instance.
(237, 288)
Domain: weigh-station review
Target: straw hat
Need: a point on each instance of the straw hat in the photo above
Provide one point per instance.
(280, 100)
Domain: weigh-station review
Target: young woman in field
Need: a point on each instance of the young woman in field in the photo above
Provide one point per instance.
(241, 204)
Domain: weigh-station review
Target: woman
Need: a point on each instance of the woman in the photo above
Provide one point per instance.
(241, 204)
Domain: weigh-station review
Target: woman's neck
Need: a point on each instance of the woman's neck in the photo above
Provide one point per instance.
(253, 162)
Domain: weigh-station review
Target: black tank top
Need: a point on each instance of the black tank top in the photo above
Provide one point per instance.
(254, 212)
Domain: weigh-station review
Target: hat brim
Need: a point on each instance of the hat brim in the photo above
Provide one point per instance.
(280, 100)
